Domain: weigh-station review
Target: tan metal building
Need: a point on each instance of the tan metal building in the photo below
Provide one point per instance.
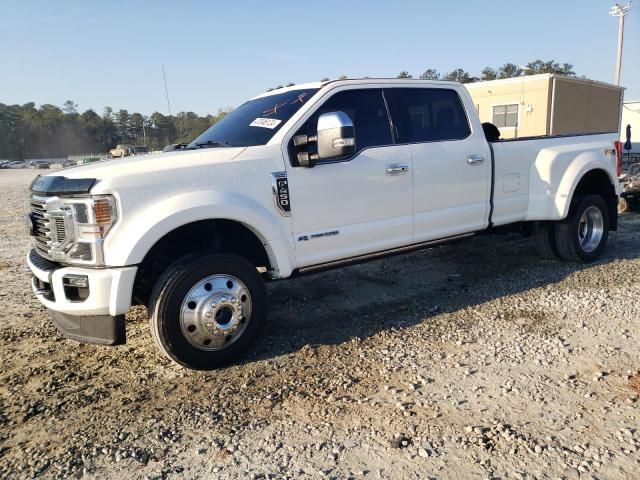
(547, 104)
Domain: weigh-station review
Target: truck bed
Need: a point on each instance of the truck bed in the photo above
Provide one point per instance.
(528, 171)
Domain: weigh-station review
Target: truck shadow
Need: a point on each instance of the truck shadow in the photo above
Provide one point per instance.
(359, 301)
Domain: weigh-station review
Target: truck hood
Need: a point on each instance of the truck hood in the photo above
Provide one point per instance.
(165, 164)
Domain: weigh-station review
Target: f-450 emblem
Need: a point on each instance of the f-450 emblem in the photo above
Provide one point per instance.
(280, 188)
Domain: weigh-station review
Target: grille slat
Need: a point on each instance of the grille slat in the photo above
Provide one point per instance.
(41, 226)
(42, 262)
(60, 231)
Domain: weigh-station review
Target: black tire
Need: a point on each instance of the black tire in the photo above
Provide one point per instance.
(544, 238)
(567, 231)
(167, 303)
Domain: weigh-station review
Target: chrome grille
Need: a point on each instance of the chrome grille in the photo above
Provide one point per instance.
(61, 234)
(41, 225)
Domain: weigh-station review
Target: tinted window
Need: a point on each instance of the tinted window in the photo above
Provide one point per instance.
(427, 114)
(256, 121)
(367, 112)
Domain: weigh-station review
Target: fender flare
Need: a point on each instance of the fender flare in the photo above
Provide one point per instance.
(131, 241)
(584, 164)
(555, 174)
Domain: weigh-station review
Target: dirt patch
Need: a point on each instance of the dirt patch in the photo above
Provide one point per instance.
(634, 383)
(477, 360)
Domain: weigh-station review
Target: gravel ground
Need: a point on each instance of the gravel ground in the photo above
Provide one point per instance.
(476, 360)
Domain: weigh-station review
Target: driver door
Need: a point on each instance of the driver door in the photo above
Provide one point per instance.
(347, 207)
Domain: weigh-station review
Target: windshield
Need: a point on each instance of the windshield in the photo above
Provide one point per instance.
(254, 122)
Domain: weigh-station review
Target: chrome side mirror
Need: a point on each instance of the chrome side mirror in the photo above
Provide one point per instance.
(336, 136)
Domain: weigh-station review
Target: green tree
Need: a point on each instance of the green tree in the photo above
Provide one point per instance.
(122, 123)
(430, 74)
(509, 70)
(488, 73)
(107, 114)
(136, 122)
(404, 74)
(459, 75)
(550, 66)
(69, 107)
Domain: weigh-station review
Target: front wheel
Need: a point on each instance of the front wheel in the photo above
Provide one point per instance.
(582, 236)
(207, 309)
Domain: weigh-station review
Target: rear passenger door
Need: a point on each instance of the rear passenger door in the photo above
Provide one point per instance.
(451, 164)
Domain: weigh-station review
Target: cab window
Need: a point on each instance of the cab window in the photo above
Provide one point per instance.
(367, 111)
(427, 114)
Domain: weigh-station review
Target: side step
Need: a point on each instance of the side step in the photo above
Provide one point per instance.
(377, 255)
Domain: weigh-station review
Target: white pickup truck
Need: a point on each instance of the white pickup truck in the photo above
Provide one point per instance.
(297, 180)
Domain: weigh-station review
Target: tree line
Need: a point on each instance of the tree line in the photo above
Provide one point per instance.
(508, 70)
(51, 131)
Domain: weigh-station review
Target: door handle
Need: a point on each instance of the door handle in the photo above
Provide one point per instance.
(397, 169)
(475, 159)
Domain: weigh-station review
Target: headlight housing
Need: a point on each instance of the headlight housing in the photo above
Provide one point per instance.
(77, 227)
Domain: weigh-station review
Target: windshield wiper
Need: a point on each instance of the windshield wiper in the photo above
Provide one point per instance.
(211, 143)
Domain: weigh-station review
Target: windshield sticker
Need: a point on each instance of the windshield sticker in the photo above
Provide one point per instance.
(270, 123)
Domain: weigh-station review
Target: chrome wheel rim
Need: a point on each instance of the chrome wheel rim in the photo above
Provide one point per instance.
(591, 229)
(215, 312)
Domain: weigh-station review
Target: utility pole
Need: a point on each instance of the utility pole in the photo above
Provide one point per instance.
(166, 91)
(620, 11)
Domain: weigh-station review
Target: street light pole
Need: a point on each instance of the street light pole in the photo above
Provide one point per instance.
(620, 11)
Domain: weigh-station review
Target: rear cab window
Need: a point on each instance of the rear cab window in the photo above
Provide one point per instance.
(427, 114)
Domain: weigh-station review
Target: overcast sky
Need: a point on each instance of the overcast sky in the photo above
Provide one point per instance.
(218, 53)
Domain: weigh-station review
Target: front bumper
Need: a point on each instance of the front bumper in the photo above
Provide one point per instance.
(102, 329)
(94, 315)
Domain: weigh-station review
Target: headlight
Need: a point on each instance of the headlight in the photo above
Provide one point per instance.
(80, 225)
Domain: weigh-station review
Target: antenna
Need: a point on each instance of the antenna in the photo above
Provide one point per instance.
(166, 91)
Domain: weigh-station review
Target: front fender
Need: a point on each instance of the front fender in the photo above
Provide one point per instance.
(554, 177)
(144, 227)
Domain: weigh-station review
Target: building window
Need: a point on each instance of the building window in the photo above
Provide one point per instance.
(505, 115)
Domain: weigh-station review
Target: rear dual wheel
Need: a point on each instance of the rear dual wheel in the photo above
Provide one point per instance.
(544, 238)
(581, 237)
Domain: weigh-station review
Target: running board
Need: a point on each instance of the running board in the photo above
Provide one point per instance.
(377, 255)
